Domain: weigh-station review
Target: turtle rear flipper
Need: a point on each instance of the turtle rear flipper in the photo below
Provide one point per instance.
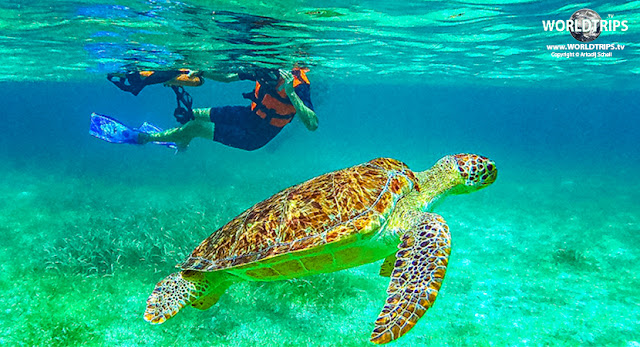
(387, 266)
(417, 276)
(174, 293)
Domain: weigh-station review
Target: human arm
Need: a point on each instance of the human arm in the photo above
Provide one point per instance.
(260, 75)
(220, 77)
(307, 115)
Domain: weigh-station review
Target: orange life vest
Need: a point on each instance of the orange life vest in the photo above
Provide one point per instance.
(272, 104)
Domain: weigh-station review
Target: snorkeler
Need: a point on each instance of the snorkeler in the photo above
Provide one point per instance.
(278, 96)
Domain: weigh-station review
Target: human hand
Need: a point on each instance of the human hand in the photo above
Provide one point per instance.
(288, 82)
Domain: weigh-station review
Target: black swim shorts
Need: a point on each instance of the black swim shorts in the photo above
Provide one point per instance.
(239, 127)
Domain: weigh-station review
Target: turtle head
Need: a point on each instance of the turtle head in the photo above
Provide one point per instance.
(476, 172)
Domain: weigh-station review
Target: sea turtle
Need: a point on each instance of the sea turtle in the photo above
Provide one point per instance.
(355, 216)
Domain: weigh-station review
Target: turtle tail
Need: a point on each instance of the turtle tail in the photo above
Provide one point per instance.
(174, 293)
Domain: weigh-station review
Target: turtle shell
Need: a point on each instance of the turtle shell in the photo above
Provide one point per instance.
(302, 218)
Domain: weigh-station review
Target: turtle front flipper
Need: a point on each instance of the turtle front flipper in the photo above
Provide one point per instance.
(174, 293)
(217, 288)
(417, 275)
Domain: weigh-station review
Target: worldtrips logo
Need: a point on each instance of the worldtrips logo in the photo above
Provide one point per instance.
(585, 25)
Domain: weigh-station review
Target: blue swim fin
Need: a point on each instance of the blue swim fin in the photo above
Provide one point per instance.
(111, 130)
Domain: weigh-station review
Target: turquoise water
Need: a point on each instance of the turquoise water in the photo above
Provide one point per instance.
(483, 41)
(548, 255)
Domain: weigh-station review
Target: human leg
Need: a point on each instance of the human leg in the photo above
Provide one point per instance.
(201, 126)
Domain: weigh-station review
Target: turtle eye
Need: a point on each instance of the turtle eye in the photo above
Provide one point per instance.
(477, 171)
